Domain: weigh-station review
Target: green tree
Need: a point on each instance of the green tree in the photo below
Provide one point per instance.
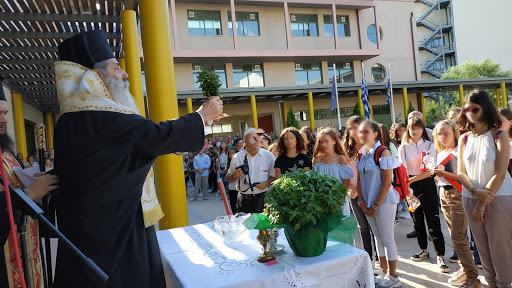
(436, 110)
(356, 111)
(291, 121)
(411, 108)
(473, 70)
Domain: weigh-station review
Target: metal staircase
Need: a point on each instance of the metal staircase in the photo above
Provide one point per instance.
(436, 28)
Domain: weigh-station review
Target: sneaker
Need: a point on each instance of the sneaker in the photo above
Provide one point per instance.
(443, 268)
(421, 256)
(412, 234)
(454, 259)
(472, 284)
(380, 277)
(396, 221)
(201, 194)
(479, 265)
(458, 279)
(192, 200)
(390, 282)
(376, 271)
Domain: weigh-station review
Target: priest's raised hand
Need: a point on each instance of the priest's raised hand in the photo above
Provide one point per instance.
(211, 109)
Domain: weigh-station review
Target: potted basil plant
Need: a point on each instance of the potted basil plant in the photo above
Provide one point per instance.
(308, 205)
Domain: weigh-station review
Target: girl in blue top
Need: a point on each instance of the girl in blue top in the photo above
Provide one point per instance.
(378, 200)
(330, 159)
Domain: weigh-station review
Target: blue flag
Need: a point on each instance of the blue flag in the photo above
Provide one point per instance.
(333, 95)
(365, 98)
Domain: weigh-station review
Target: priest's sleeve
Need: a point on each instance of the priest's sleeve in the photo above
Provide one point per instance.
(184, 134)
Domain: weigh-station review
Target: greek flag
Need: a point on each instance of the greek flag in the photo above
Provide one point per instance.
(364, 97)
(388, 91)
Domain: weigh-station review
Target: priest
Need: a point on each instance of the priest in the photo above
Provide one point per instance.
(103, 152)
(9, 274)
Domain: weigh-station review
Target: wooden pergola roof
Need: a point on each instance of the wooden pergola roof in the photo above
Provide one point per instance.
(31, 30)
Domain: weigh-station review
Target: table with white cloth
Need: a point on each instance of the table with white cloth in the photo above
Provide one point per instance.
(196, 256)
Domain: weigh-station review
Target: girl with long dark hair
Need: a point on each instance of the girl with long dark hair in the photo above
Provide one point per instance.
(487, 187)
(397, 133)
(309, 139)
(292, 149)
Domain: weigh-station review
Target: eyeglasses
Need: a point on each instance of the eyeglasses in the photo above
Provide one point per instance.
(472, 109)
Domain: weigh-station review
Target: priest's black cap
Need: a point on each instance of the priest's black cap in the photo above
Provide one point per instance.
(86, 49)
(2, 94)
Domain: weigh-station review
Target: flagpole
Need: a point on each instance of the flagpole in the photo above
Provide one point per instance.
(391, 96)
(337, 100)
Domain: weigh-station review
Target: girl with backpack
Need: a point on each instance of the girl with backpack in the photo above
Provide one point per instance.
(414, 148)
(487, 187)
(446, 136)
(378, 199)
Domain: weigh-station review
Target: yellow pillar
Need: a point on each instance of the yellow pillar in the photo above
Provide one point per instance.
(19, 121)
(132, 56)
(163, 105)
(254, 112)
(406, 102)
(504, 96)
(311, 111)
(122, 63)
(189, 106)
(461, 95)
(497, 97)
(49, 129)
(285, 112)
(360, 101)
(371, 106)
(422, 99)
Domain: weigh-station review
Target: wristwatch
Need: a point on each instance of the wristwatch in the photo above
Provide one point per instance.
(375, 206)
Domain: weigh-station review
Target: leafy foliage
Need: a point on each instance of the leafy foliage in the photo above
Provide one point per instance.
(209, 83)
(299, 199)
(411, 108)
(473, 70)
(356, 111)
(291, 121)
(437, 110)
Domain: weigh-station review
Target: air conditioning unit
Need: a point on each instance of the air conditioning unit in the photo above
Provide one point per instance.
(293, 18)
(343, 19)
(252, 16)
(298, 66)
(257, 67)
(347, 65)
(197, 68)
(191, 14)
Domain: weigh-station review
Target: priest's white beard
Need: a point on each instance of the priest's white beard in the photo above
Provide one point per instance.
(119, 90)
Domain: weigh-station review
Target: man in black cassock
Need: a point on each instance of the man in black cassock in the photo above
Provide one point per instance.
(103, 152)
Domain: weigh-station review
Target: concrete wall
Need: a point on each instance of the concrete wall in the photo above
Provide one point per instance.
(32, 114)
(488, 36)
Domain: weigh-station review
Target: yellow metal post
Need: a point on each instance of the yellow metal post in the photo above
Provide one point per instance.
(422, 99)
(19, 121)
(122, 64)
(360, 101)
(311, 111)
(163, 105)
(254, 112)
(189, 106)
(285, 112)
(49, 129)
(132, 56)
(461, 95)
(406, 102)
(371, 106)
(504, 95)
(497, 97)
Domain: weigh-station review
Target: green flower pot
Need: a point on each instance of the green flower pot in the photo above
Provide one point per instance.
(307, 241)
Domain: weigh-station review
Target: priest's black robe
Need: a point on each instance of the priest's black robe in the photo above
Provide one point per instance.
(102, 159)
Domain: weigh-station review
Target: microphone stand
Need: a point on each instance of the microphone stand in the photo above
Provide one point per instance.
(28, 207)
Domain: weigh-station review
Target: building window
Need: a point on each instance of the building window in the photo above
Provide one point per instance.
(378, 73)
(343, 26)
(215, 129)
(248, 75)
(304, 25)
(344, 72)
(325, 114)
(247, 24)
(202, 22)
(372, 33)
(219, 69)
(308, 74)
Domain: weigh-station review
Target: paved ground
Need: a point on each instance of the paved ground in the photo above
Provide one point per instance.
(413, 274)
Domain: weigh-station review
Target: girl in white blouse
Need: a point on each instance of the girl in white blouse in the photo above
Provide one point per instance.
(415, 146)
(378, 199)
(487, 187)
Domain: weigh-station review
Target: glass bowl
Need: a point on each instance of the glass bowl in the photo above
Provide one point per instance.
(230, 227)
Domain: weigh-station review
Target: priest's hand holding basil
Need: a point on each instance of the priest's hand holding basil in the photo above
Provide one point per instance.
(211, 109)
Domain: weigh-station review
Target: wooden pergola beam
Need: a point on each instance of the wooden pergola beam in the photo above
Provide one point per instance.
(34, 49)
(41, 61)
(49, 35)
(58, 17)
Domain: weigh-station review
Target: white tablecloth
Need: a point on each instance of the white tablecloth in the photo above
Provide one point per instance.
(195, 256)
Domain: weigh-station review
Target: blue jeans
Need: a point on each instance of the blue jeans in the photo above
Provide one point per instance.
(223, 177)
